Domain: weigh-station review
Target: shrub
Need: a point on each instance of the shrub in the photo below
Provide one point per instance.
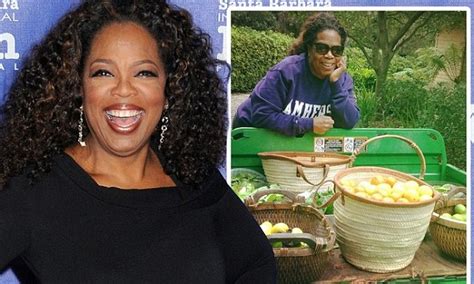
(420, 67)
(402, 102)
(253, 53)
(445, 111)
(368, 104)
(362, 74)
(407, 104)
(257, 20)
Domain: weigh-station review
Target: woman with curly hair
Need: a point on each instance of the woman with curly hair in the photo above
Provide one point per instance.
(308, 91)
(111, 138)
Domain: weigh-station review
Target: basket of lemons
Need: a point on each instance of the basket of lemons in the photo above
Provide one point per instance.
(301, 235)
(382, 215)
(448, 224)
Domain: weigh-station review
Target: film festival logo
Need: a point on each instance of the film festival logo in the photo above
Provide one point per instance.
(7, 39)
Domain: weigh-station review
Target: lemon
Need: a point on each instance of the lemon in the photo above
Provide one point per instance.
(359, 189)
(388, 200)
(349, 189)
(425, 197)
(425, 190)
(411, 194)
(371, 189)
(446, 216)
(377, 180)
(385, 189)
(411, 184)
(362, 194)
(280, 228)
(390, 180)
(346, 182)
(364, 184)
(296, 230)
(266, 227)
(377, 196)
(353, 183)
(397, 193)
(403, 200)
(384, 186)
(398, 186)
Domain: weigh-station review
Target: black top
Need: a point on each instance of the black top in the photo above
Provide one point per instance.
(68, 229)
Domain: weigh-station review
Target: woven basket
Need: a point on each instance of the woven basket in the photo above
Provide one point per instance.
(377, 236)
(296, 265)
(449, 235)
(301, 171)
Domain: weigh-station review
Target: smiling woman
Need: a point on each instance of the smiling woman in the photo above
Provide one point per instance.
(308, 91)
(111, 139)
(124, 97)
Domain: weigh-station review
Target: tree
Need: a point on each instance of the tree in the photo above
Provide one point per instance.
(381, 34)
(260, 21)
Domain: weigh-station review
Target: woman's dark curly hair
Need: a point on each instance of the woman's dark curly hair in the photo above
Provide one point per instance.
(313, 25)
(40, 117)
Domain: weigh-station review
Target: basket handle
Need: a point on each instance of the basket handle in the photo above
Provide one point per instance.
(331, 242)
(408, 141)
(443, 201)
(455, 190)
(253, 199)
(300, 173)
(315, 243)
(314, 192)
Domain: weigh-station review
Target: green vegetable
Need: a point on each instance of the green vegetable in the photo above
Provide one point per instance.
(460, 209)
(322, 198)
(277, 245)
(245, 183)
(273, 197)
(459, 217)
(445, 188)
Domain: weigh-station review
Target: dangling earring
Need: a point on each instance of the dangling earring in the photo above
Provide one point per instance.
(81, 122)
(164, 124)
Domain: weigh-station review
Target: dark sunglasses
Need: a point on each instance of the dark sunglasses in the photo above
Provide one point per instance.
(323, 49)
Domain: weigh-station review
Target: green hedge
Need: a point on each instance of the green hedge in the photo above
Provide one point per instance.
(253, 53)
(362, 74)
(407, 104)
(445, 111)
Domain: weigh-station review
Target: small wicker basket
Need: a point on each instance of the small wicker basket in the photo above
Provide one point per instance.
(300, 264)
(449, 235)
(301, 171)
(377, 236)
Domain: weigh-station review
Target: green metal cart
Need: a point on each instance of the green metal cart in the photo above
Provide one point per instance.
(429, 265)
(389, 153)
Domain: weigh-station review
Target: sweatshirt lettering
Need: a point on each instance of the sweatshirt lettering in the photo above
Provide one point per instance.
(306, 110)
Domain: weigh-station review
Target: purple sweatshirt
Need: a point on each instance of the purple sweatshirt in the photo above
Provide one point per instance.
(290, 96)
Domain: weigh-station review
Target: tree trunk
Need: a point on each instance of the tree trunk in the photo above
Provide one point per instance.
(381, 53)
(462, 74)
(381, 76)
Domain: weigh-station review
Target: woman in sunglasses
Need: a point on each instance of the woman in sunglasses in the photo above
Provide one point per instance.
(308, 91)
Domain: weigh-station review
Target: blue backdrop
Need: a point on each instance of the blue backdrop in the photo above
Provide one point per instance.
(24, 22)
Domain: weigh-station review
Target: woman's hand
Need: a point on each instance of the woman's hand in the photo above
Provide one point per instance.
(340, 68)
(321, 124)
